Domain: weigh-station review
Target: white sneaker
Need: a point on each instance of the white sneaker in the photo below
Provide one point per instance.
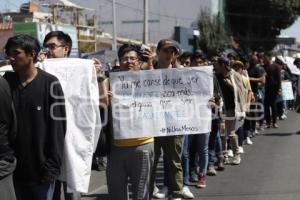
(161, 194)
(155, 191)
(186, 193)
(230, 153)
(174, 198)
(248, 141)
(241, 149)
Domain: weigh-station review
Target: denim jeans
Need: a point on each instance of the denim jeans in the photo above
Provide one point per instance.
(240, 133)
(202, 149)
(215, 144)
(185, 157)
(34, 192)
(201, 141)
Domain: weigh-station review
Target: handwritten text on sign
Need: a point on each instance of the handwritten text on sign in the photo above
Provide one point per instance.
(161, 102)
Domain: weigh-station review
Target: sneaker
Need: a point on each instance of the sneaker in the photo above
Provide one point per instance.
(171, 198)
(155, 191)
(202, 181)
(187, 183)
(230, 153)
(226, 160)
(241, 149)
(268, 126)
(248, 141)
(283, 117)
(275, 125)
(186, 193)
(211, 171)
(194, 176)
(162, 193)
(261, 128)
(236, 159)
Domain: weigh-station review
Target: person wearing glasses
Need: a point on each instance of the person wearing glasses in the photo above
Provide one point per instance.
(58, 44)
(130, 158)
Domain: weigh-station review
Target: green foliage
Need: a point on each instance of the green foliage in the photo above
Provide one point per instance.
(256, 24)
(213, 37)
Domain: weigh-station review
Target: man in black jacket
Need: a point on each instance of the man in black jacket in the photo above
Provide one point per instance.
(7, 159)
(39, 102)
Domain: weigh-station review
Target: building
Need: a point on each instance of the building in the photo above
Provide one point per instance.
(164, 15)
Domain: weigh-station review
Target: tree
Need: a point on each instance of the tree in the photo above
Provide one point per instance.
(213, 37)
(256, 24)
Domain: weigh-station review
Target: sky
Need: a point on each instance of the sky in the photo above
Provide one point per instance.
(293, 31)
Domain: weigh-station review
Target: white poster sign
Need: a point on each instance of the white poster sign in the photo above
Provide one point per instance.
(80, 87)
(161, 102)
(287, 90)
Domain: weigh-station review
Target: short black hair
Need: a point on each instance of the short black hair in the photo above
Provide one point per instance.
(185, 55)
(125, 48)
(25, 42)
(296, 61)
(64, 38)
(269, 54)
(196, 55)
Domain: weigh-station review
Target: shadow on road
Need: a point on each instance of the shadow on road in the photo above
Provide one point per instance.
(278, 134)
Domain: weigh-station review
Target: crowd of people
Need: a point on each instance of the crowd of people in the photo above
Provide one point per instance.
(247, 97)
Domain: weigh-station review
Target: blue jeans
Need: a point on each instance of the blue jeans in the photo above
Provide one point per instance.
(215, 144)
(201, 147)
(34, 192)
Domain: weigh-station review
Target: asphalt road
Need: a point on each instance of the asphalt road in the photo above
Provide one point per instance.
(270, 170)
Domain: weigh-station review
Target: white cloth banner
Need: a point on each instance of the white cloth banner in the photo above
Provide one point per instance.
(80, 87)
(161, 102)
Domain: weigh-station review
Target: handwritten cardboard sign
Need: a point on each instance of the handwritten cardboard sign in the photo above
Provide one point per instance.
(287, 90)
(161, 102)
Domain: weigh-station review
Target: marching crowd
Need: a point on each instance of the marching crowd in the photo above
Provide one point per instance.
(247, 97)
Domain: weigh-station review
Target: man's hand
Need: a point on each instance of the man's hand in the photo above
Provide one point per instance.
(98, 66)
(212, 102)
(222, 128)
(147, 53)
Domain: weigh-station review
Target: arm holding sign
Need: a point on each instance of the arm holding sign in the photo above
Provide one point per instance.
(104, 92)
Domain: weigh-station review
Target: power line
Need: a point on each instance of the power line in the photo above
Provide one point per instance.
(152, 13)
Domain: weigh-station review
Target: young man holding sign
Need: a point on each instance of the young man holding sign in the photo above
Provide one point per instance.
(167, 52)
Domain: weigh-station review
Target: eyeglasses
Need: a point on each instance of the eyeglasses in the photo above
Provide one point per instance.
(52, 46)
(126, 59)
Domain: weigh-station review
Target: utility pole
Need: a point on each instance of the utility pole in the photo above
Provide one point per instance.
(145, 31)
(114, 43)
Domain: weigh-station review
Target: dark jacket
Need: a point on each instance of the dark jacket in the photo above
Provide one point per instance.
(7, 128)
(41, 117)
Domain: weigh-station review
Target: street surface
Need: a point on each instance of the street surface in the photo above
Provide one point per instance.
(270, 170)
